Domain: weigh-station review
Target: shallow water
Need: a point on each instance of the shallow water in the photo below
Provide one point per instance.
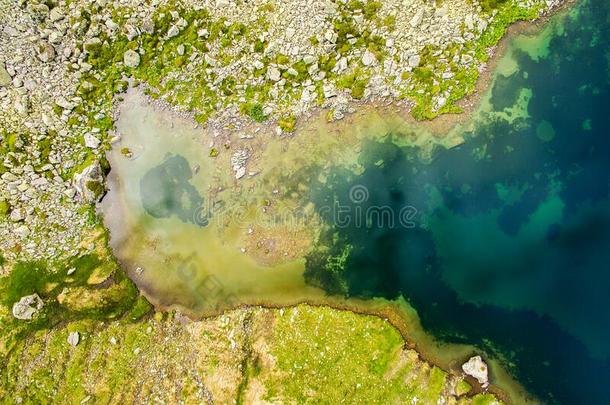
(193, 236)
(501, 242)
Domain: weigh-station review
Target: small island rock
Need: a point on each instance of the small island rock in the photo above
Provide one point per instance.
(476, 367)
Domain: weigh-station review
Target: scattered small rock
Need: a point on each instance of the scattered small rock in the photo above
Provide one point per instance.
(74, 339)
(417, 18)
(56, 14)
(91, 141)
(173, 31)
(368, 58)
(131, 58)
(46, 52)
(273, 74)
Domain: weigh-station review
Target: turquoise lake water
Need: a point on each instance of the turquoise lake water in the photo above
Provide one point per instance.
(508, 241)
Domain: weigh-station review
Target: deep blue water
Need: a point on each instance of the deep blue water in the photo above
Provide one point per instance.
(510, 248)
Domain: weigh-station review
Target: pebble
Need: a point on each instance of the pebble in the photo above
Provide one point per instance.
(73, 339)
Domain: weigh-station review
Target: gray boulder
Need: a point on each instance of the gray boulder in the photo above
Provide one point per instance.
(89, 183)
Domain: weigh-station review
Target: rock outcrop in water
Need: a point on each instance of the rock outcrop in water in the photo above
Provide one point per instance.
(477, 368)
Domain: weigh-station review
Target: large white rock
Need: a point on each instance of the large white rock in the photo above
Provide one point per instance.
(414, 61)
(22, 231)
(27, 306)
(309, 59)
(173, 31)
(92, 173)
(91, 141)
(476, 367)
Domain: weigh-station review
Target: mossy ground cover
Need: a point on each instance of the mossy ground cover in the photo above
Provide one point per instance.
(325, 356)
(87, 286)
(299, 355)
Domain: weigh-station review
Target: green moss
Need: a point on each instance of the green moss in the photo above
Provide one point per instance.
(96, 187)
(50, 280)
(259, 46)
(287, 123)
(356, 82)
(462, 388)
(5, 208)
(328, 356)
(213, 152)
(281, 59)
(490, 5)
(390, 22)
(484, 399)
(324, 267)
(254, 111)
(371, 8)
(13, 142)
(140, 309)
(266, 8)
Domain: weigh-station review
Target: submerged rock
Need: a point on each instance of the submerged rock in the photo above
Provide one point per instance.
(476, 367)
(238, 163)
(165, 190)
(27, 307)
